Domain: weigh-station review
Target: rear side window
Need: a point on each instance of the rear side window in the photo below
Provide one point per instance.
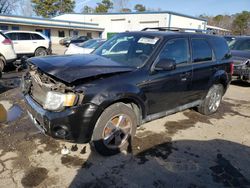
(201, 50)
(24, 36)
(220, 47)
(36, 37)
(12, 36)
(177, 50)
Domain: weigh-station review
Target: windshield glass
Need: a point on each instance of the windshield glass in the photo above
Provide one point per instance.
(128, 48)
(240, 44)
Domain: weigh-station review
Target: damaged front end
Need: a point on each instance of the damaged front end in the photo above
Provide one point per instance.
(51, 94)
(241, 68)
(55, 108)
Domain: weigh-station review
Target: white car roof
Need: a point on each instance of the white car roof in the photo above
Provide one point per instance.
(20, 31)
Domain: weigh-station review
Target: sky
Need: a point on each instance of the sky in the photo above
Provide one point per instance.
(189, 7)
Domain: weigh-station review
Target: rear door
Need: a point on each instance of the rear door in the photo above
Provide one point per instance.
(166, 90)
(204, 66)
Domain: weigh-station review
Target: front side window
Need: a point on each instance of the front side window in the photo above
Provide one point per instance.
(177, 50)
(36, 37)
(201, 51)
(129, 49)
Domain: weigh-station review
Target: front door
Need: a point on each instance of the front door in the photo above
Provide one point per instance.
(166, 90)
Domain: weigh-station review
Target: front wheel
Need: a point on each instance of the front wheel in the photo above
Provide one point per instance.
(212, 100)
(114, 129)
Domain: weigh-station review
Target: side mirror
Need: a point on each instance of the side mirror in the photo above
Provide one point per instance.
(165, 64)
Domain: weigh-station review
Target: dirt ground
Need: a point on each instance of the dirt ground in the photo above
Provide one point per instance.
(185, 149)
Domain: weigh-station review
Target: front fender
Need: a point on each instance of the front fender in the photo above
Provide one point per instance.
(121, 93)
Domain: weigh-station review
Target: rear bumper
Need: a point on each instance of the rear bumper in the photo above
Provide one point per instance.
(72, 124)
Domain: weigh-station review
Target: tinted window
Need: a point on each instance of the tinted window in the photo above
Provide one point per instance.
(4, 27)
(221, 48)
(201, 50)
(24, 36)
(61, 34)
(36, 37)
(177, 50)
(12, 36)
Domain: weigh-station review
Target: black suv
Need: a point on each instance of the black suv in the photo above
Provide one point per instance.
(133, 78)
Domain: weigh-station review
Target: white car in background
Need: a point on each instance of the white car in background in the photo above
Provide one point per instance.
(7, 53)
(85, 47)
(29, 43)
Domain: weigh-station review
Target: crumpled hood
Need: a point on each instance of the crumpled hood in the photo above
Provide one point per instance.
(70, 68)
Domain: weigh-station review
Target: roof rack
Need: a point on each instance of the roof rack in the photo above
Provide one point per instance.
(176, 29)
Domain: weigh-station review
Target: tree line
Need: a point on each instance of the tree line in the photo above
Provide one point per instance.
(238, 24)
(52, 8)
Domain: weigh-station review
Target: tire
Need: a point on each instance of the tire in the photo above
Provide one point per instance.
(40, 52)
(1, 66)
(114, 129)
(211, 102)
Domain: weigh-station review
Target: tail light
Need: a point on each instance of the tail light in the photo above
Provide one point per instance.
(7, 42)
(231, 68)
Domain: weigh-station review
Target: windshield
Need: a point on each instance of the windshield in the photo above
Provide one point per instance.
(240, 44)
(128, 48)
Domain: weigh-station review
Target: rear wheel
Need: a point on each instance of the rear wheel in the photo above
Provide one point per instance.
(114, 129)
(212, 100)
(1, 66)
(40, 52)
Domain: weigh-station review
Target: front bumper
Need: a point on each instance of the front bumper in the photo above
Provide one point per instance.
(74, 124)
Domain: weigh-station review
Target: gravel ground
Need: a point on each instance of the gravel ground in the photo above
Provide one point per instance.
(185, 149)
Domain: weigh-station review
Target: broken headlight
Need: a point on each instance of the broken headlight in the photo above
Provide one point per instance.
(56, 101)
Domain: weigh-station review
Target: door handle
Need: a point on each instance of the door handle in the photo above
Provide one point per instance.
(34, 42)
(184, 76)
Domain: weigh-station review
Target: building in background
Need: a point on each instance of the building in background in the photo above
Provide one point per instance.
(99, 25)
(120, 22)
(52, 28)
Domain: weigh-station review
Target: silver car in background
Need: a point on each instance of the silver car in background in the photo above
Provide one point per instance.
(85, 47)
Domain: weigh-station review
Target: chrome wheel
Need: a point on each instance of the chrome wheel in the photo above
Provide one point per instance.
(117, 130)
(215, 100)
